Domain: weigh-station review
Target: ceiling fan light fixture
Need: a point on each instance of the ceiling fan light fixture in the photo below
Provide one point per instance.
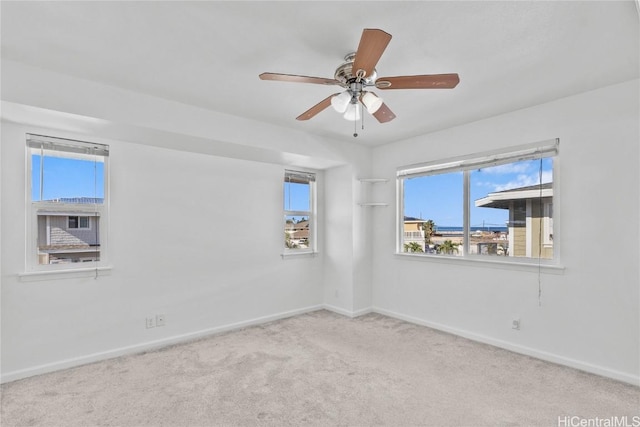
(353, 113)
(341, 102)
(372, 102)
(358, 73)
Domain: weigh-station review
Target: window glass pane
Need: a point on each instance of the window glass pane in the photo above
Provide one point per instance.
(510, 210)
(65, 239)
(83, 222)
(67, 179)
(296, 232)
(67, 176)
(433, 214)
(297, 196)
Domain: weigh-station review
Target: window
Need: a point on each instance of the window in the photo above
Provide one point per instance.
(78, 222)
(299, 206)
(496, 204)
(67, 203)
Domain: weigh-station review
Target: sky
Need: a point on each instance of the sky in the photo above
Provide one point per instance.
(440, 197)
(65, 177)
(296, 196)
(435, 197)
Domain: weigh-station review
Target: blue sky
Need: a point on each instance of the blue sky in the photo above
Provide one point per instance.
(436, 197)
(65, 177)
(440, 197)
(296, 197)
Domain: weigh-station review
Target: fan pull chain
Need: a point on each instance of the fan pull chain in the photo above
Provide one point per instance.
(355, 122)
(355, 127)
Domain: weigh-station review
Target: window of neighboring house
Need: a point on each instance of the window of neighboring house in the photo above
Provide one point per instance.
(67, 203)
(492, 204)
(79, 222)
(299, 207)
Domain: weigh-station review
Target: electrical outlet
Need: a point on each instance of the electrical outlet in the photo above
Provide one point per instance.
(160, 320)
(151, 322)
(515, 324)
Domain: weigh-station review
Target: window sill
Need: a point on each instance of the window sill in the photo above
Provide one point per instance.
(296, 254)
(32, 276)
(487, 263)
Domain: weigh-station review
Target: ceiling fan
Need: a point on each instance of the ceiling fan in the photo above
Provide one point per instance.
(357, 74)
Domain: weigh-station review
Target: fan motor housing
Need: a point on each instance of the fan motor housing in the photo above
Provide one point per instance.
(344, 73)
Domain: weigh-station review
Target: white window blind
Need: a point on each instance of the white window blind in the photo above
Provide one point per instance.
(298, 177)
(66, 145)
(537, 150)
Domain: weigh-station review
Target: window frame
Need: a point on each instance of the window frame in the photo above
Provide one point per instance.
(311, 213)
(35, 208)
(466, 164)
(79, 222)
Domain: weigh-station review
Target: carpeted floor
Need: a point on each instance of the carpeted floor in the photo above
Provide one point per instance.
(320, 369)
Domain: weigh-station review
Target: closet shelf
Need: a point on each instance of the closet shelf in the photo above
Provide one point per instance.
(373, 180)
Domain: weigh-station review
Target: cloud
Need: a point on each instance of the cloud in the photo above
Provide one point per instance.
(518, 167)
(524, 180)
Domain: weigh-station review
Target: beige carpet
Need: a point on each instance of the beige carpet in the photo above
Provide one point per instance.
(319, 369)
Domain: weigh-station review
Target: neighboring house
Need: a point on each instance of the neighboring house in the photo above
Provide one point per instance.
(530, 218)
(68, 236)
(414, 231)
(298, 232)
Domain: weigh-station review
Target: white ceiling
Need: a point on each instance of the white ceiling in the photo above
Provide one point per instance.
(509, 55)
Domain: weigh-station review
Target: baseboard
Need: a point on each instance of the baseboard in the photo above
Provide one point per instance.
(549, 357)
(347, 313)
(154, 345)
(147, 346)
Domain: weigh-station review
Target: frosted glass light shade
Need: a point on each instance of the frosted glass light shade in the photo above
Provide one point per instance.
(372, 102)
(341, 102)
(352, 113)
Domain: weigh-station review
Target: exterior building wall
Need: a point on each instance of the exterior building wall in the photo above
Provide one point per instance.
(60, 234)
(42, 230)
(519, 241)
(537, 230)
(413, 234)
(517, 229)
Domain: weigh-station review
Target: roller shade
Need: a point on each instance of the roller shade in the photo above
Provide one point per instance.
(299, 177)
(66, 145)
(537, 150)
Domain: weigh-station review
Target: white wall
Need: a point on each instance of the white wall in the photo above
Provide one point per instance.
(195, 237)
(195, 231)
(348, 238)
(225, 276)
(589, 316)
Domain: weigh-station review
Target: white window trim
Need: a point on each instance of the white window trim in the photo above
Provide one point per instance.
(548, 148)
(32, 267)
(84, 271)
(312, 215)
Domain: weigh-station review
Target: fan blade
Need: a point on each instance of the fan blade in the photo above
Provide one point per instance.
(428, 81)
(316, 108)
(297, 79)
(384, 114)
(372, 44)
